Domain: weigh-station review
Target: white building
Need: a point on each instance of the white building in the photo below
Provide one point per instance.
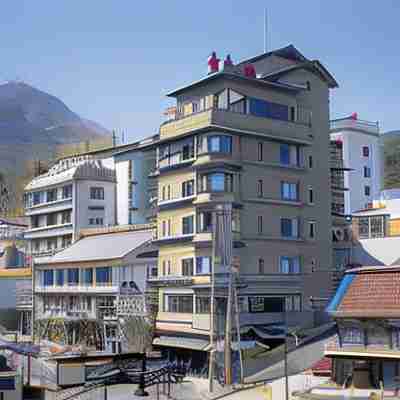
(76, 193)
(84, 290)
(362, 155)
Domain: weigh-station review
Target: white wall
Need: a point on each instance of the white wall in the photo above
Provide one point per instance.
(83, 202)
(122, 172)
(353, 142)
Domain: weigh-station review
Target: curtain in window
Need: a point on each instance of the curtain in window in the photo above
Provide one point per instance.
(103, 276)
(48, 277)
(88, 276)
(60, 277)
(73, 276)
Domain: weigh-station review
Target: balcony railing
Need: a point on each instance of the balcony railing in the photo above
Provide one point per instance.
(76, 289)
(343, 123)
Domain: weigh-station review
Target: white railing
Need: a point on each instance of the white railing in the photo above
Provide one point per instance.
(344, 123)
(76, 289)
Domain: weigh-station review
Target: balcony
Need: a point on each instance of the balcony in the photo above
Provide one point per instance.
(48, 231)
(357, 124)
(77, 289)
(246, 123)
(173, 203)
(171, 281)
(50, 207)
(216, 197)
(57, 312)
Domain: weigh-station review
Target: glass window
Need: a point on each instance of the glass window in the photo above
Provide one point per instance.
(187, 225)
(289, 154)
(88, 276)
(60, 277)
(377, 225)
(221, 99)
(365, 151)
(367, 190)
(73, 276)
(289, 265)
(178, 303)
(367, 172)
(217, 182)
(97, 193)
(363, 227)
(310, 195)
(103, 276)
(205, 221)
(51, 219)
(266, 304)
(311, 229)
(289, 227)
(261, 269)
(66, 217)
(260, 192)
(310, 162)
(260, 224)
(202, 305)
(285, 154)
(203, 265)
(188, 188)
(219, 144)
(36, 198)
(187, 266)
(289, 191)
(266, 109)
(260, 151)
(48, 277)
(66, 241)
(51, 195)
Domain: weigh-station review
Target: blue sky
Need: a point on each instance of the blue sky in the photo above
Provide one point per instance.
(113, 61)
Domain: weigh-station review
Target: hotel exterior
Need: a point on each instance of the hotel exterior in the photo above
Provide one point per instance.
(253, 136)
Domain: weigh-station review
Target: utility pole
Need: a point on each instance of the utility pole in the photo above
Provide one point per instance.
(228, 333)
(285, 359)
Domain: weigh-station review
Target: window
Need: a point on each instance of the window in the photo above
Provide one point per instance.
(289, 154)
(67, 191)
(66, 217)
(99, 221)
(73, 276)
(169, 192)
(36, 245)
(261, 269)
(216, 182)
(103, 276)
(51, 244)
(203, 305)
(289, 265)
(48, 277)
(260, 151)
(91, 221)
(164, 228)
(164, 267)
(289, 227)
(88, 276)
(289, 191)
(237, 102)
(35, 221)
(365, 151)
(163, 193)
(178, 303)
(260, 192)
(205, 221)
(367, 190)
(187, 151)
(188, 188)
(266, 109)
(59, 277)
(187, 267)
(66, 241)
(51, 219)
(203, 265)
(292, 113)
(97, 193)
(260, 224)
(51, 195)
(219, 144)
(37, 198)
(352, 335)
(310, 195)
(272, 304)
(311, 229)
(367, 172)
(310, 162)
(187, 225)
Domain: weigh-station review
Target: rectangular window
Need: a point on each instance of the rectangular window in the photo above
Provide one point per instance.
(51, 195)
(91, 221)
(97, 193)
(310, 195)
(260, 224)
(73, 276)
(51, 244)
(103, 276)
(35, 221)
(266, 304)
(67, 192)
(367, 172)
(261, 267)
(178, 303)
(219, 144)
(88, 276)
(260, 192)
(187, 267)
(311, 229)
(289, 265)
(188, 188)
(310, 162)
(66, 241)
(216, 182)
(289, 227)
(99, 221)
(37, 198)
(266, 109)
(203, 265)
(260, 151)
(48, 277)
(187, 225)
(60, 277)
(367, 190)
(289, 155)
(202, 305)
(365, 151)
(51, 219)
(289, 191)
(205, 221)
(292, 113)
(66, 217)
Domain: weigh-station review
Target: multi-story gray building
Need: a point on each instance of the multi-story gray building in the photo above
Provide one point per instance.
(254, 136)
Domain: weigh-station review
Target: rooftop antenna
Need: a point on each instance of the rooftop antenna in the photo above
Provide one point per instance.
(265, 30)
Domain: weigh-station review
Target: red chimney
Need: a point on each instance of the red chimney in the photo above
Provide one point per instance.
(354, 115)
(249, 71)
(213, 63)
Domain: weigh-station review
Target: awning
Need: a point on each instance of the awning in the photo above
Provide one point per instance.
(182, 343)
(25, 349)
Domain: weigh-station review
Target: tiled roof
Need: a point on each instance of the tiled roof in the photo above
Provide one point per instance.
(371, 293)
